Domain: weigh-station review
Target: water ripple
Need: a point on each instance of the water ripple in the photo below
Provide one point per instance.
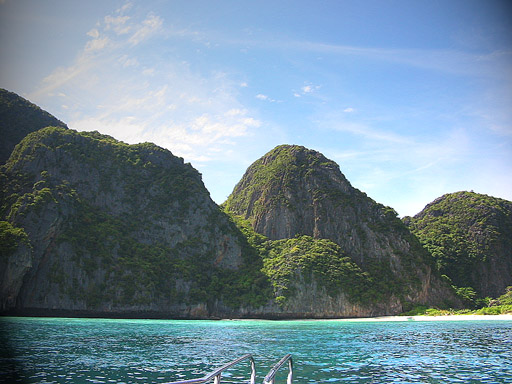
(145, 351)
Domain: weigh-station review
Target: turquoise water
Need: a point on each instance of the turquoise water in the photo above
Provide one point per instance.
(48, 350)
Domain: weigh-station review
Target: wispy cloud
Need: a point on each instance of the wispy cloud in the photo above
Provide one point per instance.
(63, 76)
(94, 33)
(149, 27)
(452, 61)
(111, 88)
(363, 130)
(306, 90)
(400, 168)
(97, 44)
(140, 77)
(199, 139)
(263, 97)
(449, 61)
(119, 24)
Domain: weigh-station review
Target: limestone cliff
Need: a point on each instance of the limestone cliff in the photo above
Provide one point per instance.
(116, 229)
(470, 237)
(19, 117)
(296, 191)
(93, 226)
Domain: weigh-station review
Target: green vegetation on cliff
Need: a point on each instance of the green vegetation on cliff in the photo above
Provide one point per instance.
(500, 306)
(276, 172)
(116, 226)
(90, 223)
(18, 118)
(140, 270)
(286, 261)
(470, 238)
(10, 238)
(320, 225)
(320, 258)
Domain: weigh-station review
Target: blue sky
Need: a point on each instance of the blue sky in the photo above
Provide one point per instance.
(413, 99)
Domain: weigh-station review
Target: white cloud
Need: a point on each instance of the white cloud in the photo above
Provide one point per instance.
(263, 97)
(349, 110)
(125, 7)
(62, 76)
(368, 132)
(121, 86)
(94, 33)
(194, 115)
(118, 24)
(306, 89)
(200, 139)
(96, 44)
(405, 171)
(150, 26)
(101, 50)
(127, 61)
(448, 61)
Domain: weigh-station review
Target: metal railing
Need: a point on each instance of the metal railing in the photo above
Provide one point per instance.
(216, 375)
(269, 379)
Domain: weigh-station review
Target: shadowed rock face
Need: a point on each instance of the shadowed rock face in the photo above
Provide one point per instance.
(110, 227)
(470, 237)
(18, 118)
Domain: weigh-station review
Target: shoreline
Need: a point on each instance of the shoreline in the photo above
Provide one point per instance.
(395, 318)
(506, 317)
(159, 316)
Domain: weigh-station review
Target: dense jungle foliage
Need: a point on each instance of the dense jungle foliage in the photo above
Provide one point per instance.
(287, 261)
(467, 233)
(118, 241)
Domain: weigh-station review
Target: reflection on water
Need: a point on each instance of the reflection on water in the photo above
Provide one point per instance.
(41, 350)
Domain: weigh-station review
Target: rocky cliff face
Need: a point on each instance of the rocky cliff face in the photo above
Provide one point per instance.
(92, 226)
(295, 191)
(114, 228)
(97, 227)
(470, 237)
(19, 117)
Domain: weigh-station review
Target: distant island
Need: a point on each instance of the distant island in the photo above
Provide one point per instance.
(91, 226)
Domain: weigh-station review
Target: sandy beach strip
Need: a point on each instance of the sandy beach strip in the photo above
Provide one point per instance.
(507, 317)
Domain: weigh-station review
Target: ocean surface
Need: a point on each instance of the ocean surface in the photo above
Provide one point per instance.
(50, 350)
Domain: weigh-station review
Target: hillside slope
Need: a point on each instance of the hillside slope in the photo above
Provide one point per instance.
(470, 237)
(293, 191)
(93, 225)
(18, 118)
